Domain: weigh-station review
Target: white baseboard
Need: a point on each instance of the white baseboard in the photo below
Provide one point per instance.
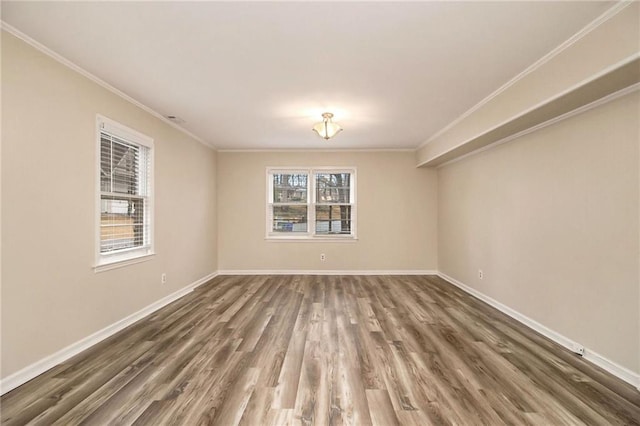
(20, 377)
(591, 356)
(326, 272)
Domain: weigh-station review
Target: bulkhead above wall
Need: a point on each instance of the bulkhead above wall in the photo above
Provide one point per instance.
(596, 65)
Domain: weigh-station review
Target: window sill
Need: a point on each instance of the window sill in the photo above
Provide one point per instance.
(120, 263)
(307, 239)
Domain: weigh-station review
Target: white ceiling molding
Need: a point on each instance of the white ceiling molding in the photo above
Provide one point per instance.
(64, 61)
(322, 150)
(610, 13)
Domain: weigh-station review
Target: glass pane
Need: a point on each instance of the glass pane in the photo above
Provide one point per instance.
(333, 188)
(290, 188)
(121, 224)
(122, 166)
(333, 219)
(289, 219)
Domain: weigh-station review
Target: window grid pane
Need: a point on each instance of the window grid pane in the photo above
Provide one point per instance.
(333, 219)
(124, 166)
(334, 188)
(122, 223)
(290, 188)
(289, 218)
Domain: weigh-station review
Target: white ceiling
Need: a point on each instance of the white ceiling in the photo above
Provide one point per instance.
(258, 75)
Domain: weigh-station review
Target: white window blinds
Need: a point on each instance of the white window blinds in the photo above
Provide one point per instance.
(125, 193)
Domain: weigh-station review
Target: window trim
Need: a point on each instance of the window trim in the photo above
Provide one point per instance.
(124, 257)
(311, 235)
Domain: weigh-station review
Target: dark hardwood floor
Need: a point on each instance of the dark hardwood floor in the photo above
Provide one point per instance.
(276, 350)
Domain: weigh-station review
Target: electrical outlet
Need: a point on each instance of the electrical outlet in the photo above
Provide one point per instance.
(163, 278)
(323, 257)
(480, 274)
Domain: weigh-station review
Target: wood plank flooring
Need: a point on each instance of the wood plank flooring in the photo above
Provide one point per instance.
(320, 350)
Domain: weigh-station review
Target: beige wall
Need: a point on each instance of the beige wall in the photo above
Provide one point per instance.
(50, 295)
(552, 219)
(396, 214)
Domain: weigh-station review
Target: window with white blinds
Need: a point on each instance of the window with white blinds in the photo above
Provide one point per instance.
(125, 204)
(311, 203)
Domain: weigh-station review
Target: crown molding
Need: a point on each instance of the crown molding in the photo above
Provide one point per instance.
(74, 67)
(608, 14)
(319, 150)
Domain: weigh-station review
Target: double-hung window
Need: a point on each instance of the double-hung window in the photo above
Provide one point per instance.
(125, 194)
(311, 203)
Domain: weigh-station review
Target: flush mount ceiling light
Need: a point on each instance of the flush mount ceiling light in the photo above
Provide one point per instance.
(327, 128)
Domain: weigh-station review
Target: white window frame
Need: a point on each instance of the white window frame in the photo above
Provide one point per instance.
(310, 235)
(123, 257)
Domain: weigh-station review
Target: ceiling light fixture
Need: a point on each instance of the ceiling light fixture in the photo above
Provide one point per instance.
(327, 128)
